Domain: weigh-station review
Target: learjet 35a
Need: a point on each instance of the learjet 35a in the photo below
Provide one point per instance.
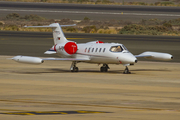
(92, 52)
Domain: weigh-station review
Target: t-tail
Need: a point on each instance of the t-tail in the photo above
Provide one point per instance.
(58, 34)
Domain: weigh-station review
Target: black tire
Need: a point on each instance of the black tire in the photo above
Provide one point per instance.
(126, 72)
(103, 69)
(76, 69)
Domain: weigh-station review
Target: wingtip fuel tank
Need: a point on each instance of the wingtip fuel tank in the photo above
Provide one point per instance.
(27, 59)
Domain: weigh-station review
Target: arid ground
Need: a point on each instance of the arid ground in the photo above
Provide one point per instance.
(151, 92)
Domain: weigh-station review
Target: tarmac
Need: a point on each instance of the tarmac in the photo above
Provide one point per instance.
(50, 91)
(93, 12)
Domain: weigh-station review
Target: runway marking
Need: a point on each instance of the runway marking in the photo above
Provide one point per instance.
(81, 12)
(53, 112)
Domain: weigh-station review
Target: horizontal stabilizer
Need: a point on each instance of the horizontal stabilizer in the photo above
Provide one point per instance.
(58, 35)
(50, 26)
(50, 52)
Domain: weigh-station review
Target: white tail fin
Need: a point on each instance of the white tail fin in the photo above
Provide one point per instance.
(58, 34)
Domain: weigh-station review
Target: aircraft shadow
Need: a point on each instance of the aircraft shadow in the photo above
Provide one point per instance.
(41, 71)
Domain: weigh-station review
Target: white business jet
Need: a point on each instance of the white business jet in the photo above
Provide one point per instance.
(92, 52)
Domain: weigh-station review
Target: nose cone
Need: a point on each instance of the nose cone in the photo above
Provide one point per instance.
(128, 58)
(171, 57)
(136, 61)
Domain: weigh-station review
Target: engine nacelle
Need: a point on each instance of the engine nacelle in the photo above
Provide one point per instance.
(68, 48)
(158, 56)
(27, 59)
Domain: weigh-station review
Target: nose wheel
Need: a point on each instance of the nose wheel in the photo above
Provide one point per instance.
(126, 71)
(104, 68)
(73, 67)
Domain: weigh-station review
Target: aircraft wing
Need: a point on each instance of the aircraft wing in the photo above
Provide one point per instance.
(37, 60)
(155, 56)
(143, 55)
(67, 59)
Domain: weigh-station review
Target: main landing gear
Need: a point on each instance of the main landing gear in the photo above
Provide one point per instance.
(126, 71)
(104, 68)
(73, 67)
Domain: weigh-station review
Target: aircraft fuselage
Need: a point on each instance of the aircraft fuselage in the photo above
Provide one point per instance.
(100, 53)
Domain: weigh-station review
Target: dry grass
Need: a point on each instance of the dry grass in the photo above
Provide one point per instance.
(101, 2)
(107, 31)
(15, 22)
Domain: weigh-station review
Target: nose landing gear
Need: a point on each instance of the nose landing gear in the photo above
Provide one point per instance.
(104, 68)
(126, 71)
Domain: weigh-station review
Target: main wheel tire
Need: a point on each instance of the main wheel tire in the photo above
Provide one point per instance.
(76, 69)
(103, 69)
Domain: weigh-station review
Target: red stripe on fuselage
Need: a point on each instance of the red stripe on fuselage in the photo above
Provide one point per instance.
(55, 47)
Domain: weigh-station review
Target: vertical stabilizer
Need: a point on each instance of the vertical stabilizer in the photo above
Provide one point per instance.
(58, 34)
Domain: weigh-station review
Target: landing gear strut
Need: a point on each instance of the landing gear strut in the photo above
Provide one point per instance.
(73, 67)
(104, 68)
(126, 71)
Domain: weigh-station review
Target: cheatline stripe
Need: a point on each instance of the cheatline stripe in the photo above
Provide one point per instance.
(81, 12)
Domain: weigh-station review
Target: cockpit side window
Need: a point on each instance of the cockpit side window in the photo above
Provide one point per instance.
(116, 49)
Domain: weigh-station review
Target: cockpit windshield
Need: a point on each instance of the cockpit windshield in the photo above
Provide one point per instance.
(119, 48)
(116, 49)
(124, 47)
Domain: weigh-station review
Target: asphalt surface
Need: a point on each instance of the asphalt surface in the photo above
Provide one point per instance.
(95, 12)
(36, 43)
(51, 92)
(88, 7)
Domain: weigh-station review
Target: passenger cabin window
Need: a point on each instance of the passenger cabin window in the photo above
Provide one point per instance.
(85, 50)
(100, 50)
(116, 48)
(92, 50)
(89, 50)
(96, 49)
(104, 49)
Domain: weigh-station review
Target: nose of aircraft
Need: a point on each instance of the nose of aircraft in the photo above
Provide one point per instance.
(136, 61)
(128, 58)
